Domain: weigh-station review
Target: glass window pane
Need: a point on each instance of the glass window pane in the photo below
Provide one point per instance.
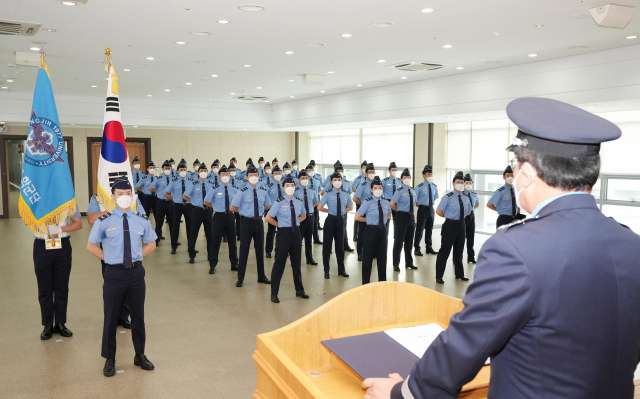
(330, 150)
(383, 145)
(487, 182)
(485, 217)
(627, 215)
(373, 149)
(616, 156)
(595, 191)
(489, 140)
(349, 152)
(315, 148)
(459, 145)
(623, 190)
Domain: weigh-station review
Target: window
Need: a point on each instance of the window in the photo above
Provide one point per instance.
(458, 145)
(383, 145)
(623, 190)
(627, 215)
(326, 147)
(489, 140)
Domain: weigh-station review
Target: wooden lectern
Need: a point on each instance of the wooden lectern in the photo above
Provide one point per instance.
(293, 363)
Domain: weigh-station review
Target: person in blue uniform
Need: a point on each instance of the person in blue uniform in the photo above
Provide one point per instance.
(261, 165)
(286, 169)
(354, 186)
(164, 207)
(121, 233)
(275, 162)
(346, 186)
(390, 184)
(213, 173)
(193, 174)
(275, 191)
(317, 181)
(243, 174)
(251, 202)
(327, 181)
(336, 202)
(181, 208)
(239, 184)
(201, 214)
(315, 186)
(174, 173)
(558, 317)
(149, 201)
(427, 194)
(309, 198)
(294, 169)
(137, 175)
(219, 198)
(503, 201)
(404, 203)
(267, 177)
(362, 192)
(470, 220)
(53, 268)
(374, 213)
(286, 213)
(454, 207)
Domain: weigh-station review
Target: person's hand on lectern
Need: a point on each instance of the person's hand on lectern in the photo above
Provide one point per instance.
(380, 388)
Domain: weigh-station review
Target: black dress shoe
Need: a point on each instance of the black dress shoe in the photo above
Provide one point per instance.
(360, 258)
(343, 274)
(349, 249)
(396, 268)
(274, 299)
(301, 294)
(312, 262)
(326, 275)
(124, 323)
(46, 333)
(143, 362)
(439, 281)
(234, 268)
(196, 251)
(173, 252)
(317, 242)
(109, 369)
(410, 266)
(417, 252)
(269, 255)
(179, 243)
(191, 260)
(264, 280)
(430, 251)
(212, 270)
(162, 237)
(463, 278)
(239, 284)
(320, 228)
(62, 330)
(471, 260)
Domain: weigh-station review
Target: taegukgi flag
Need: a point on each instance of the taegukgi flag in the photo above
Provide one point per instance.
(114, 157)
(47, 196)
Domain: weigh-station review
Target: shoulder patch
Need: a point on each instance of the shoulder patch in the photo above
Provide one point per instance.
(401, 188)
(280, 199)
(270, 184)
(215, 185)
(450, 194)
(244, 189)
(262, 188)
(145, 176)
(106, 215)
(297, 188)
(363, 183)
(501, 188)
(386, 178)
(369, 199)
(506, 226)
(142, 216)
(195, 182)
(175, 179)
(420, 185)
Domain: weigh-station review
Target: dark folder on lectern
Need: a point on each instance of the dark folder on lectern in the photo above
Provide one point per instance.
(373, 355)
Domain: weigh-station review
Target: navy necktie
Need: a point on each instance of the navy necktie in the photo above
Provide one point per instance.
(153, 194)
(394, 185)
(339, 209)
(182, 187)
(294, 222)
(306, 201)
(204, 192)
(226, 199)
(255, 203)
(380, 215)
(513, 203)
(279, 192)
(430, 203)
(126, 256)
(410, 201)
(462, 215)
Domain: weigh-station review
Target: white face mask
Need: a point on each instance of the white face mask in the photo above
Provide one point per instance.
(533, 174)
(459, 187)
(262, 164)
(267, 171)
(136, 166)
(152, 171)
(468, 187)
(215, 170)
(377, 193)
(295, 167)
(196, 168)
(337, 184)
(225, 179)
(183, 174)
(202, 175)
(311, 174)
(364, 170)
(287, 172)
(407, 182)
(509, 180)
(289, 190)
(430, 179)
(371, 176)
(394, 173)
(253, 179)
(166, 172)
(277, 177)
(304, 182)
(174, 167)
(233, 174)
(124, 201)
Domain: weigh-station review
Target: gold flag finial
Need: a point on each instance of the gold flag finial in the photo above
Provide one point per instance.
(107, 51)
(43, 65)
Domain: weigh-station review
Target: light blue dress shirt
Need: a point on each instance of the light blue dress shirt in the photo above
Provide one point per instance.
(108, 231)
(450, 205)
(330, 201)
(272, 189)
(312, 197)
(281, 210)
(363, 191)
(473, 197)
(244, 201)
(387, 186)
(160, 184)
(213, 178)
(346, 186)
(94, 206)
(145, 183)
(422, 192)
(401, 198)
(501, 199)
(369, 209)
(137, 175)
(175, 189)
(215, 196)
(196, 193)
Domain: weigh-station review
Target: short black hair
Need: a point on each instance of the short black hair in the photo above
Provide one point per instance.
(568, 174)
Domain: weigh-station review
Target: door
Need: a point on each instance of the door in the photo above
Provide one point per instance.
(140, 148)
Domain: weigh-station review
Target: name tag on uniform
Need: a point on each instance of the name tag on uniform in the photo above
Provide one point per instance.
(373, 205)
(197, 189)
(219, 194)
(507, 195)
(249, 197)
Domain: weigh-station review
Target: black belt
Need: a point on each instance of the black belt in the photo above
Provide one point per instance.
(310, 215)
(247, 217)
(402, 212)
(424, 206)
(333, 216)
(122, 266)
(181, 203)
(454, 220)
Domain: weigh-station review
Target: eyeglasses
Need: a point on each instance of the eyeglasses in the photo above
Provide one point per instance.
(513, 162)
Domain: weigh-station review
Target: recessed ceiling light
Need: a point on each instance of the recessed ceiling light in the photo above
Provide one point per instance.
(233, 94)
(135, 126)
(247, 66)
(359, 85)
(49, 30)
(346, 35)
(4, 87)
(214, 76)
(381, 61)
(447, 46)
(288, 52)
(533, 55)
(94, 86)
(127, 70)
(292, 96)
(199, 33)
(150, 58)
(266, 101)
(149, 95)
(181, 42)
(426, 10)
(38, 48)
(259, 87)
(244, 129)
(167, 90)
(188, 83)
(496, 33)
(403, 77)
(382, 24)
(460, 68)
(321, 91)
(73, 124)
(251, 7)
(223, 21)
(69, 3)
(9, 80)
(330, 72)
(538, 26)
(200, 62)
(291, 80)
(315, 44)
(632, 37)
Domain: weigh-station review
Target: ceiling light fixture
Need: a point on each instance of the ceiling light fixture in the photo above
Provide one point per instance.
(496, 33)
(632, 37)
(127, 70)
(188, 83)
(288, 52)
(315, 44)
(382, 24)
(321, 91)
(149, 95)
(150, 58)
(247, 66)
(35, 48)
(9, 80)
(291, 80)
(4, 87)
(403, 77)
(292, 96)
(346, 35)
(447, 46)
(135, 126)
(266, 101)
(200, 62)
(214, 76)
(359, 85)
(167, 90)
(223, 21)
(199, 33)
(251, 7)
(538, 26)
(533, 55)
(330, 72)
(181, 42)
(73, 124)
(233, 94)
(69, 3)
(426, 10)
(49, 29)
(259, 87)
(94, 86)
(381, 61)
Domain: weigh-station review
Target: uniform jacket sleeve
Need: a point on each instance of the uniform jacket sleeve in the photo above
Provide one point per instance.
(498, 304)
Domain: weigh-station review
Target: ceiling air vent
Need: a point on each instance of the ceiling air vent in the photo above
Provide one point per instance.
(18, 28)
(253, 98)
(414, 66)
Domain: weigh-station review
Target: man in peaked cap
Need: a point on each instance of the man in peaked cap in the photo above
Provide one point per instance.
(503, 201)
(556, 297)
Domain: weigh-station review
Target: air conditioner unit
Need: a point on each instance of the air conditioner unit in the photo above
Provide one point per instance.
(612, 15)
(253, 98)
(27, 59)
(18, 28)
(313, 80)
(415, 66)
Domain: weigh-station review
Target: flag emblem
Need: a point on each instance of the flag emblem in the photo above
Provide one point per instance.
(44, 143)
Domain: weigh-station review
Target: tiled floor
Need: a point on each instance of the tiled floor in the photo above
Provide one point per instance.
(201, 329)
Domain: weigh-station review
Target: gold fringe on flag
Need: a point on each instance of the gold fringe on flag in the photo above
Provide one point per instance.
(104, 199)
(54, 217)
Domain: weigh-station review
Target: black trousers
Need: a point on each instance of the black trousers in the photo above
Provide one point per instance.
(453, 232)
(199, 217)
(178, 211)
(52, 268)
(287, 244)
(506, 219)
(271, 232)
(118, 284)
(316, 224)
(141, 196)
(393, 216)
(333, 230)
(360, 246)
(404, 226)
(306, 233)
(164, 209)
(424, 226)
(356, 228)
(345, 238)
(375, 243)
(124, 310)
(223, 224)
(150, 204)
(251, 229)
(470, 223)
(238, 219)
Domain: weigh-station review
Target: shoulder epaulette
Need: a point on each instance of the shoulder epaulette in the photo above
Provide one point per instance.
(195, 182)
(450, 194)
(363, 183)
(106, 215)
(270, 184)
(262, 188)
(387, 178)
(401, 188)
(280, 199)
(342, 189)
(297, 188)
(501, 188)
(145, 176)
(216, 186)
(368, 199)
(142, 215)
(506, 226)
(434, 184)
(420, 185)
(174, 179)
(473, 192)
(244, 189)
